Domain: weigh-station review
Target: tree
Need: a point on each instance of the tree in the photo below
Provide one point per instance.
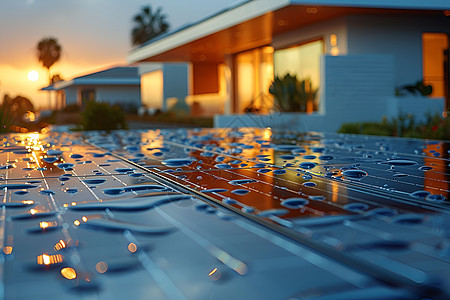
(48, 52)
(147, 25)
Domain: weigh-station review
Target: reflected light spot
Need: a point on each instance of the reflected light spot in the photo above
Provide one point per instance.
(7, 250)
(73, 203)
(44, 224)
(76, 222)
(46, 259)
(28, 202)
(69, 273)
(215, 274)
(84, 219)
(60, 245)
(132, 247)
(32, 211)
(101, 267)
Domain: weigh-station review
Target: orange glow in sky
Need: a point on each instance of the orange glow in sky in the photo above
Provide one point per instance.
(91, 40)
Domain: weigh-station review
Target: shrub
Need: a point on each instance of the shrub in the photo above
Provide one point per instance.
(434, 127)
(102, 116)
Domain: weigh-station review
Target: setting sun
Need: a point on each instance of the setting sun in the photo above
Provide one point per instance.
(33, 75)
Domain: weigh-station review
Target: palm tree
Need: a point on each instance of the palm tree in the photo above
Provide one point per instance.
(147, 25)
(48, 52)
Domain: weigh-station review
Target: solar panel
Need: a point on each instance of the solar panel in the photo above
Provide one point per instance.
(223, 213)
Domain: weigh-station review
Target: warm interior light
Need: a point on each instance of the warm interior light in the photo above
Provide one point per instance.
(333, 40)
(33, 75)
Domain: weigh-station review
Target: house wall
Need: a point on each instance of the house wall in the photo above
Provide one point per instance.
(397, 35)
(176, 83)
(317, 31)
(119, 94)
(71, 95)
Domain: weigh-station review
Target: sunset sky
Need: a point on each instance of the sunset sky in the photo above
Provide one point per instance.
(94, 34)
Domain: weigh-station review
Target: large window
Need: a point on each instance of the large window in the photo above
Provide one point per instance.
(254, 74)
(302, 61)
(435, 70)
(152, 89)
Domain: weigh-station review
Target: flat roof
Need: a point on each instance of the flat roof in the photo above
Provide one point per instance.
(253, 23)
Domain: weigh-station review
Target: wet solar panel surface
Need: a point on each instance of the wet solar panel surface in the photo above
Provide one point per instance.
(223, 214)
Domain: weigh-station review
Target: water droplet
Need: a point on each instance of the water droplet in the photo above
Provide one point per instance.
(223, 166)
(76, 156)
(94, 181)
(240, 191)
(17, 186)
(326, 157)
(294, 203)
(71, 190)
(34, 215)
(273, 212)
(396, 175)
(287, 157)
(307, 165)
(400, 162)
(436, 198)
(17, 204)
(309, 184)
(241, 181)
(263, 171)
(279, 172)
(65, 166)
(54, 152)
(420, 194)
(316, 198)
(124, 170)
(47, 192)
(50, 159)
(216, 190)
(425, 168)
(354, 174)
(356, 207)
(20, 193)
(178, 162)
(309, 157)
(135, 188)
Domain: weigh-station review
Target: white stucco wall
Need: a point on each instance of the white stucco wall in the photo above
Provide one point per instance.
(317, 31)
(397, 35)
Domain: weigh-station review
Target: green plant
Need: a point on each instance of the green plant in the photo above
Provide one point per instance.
(405, 125)
(102, 116)
(292, 94)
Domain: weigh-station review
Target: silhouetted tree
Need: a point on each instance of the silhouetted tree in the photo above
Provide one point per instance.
(56, 78)
(48, 52)
(147, 25)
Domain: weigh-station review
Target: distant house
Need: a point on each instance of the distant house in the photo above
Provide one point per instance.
(357, 53)
(117, 85)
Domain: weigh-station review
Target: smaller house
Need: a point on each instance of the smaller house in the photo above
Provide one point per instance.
(117, 85)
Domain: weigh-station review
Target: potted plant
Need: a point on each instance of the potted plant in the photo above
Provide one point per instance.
(292, 94)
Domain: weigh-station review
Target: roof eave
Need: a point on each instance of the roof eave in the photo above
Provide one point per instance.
(201, 29)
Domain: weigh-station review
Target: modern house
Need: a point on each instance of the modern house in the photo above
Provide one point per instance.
(357, 53)
(117, 85)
